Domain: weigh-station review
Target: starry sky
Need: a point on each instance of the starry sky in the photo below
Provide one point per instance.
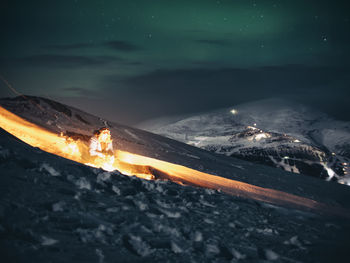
(134, 60)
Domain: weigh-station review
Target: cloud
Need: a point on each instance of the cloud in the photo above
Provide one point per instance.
(118, 45)
(214, 42)
(79, 92)
(193, 90)
(70, 46)
(121, 45)
(59, 61)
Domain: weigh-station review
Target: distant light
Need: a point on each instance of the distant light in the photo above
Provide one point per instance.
(333, 153)
(296, 140)
(254, 124)
(233, 111)
(286, 157)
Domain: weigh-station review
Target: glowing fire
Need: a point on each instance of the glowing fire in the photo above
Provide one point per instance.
(146, 167)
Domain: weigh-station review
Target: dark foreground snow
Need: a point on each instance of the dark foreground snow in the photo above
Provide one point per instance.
(55, 210)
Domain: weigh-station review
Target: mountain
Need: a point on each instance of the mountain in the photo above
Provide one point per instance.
(56, 210)
(274, 132)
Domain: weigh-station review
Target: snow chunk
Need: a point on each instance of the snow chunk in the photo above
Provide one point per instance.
(83, 183)
(198, 237)
(208, 221)
(163, 204)
(270, 255)
(97, 234)
(58, 207)
(237, 254)
(46, 167)
(294, 241)
(267, 231)
(141, 205)
(116, 190)
(176, 248)
(209, 191)
(102, 177)
(205, 203)
(167, 230)
(100, 255)
(212, 249)
(170, 214)
(46, 241)
(140, 246)
(233, 225)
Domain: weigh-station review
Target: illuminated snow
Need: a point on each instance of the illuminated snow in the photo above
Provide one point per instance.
(261, 135)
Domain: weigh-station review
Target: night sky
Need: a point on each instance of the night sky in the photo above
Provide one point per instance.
(133, 60)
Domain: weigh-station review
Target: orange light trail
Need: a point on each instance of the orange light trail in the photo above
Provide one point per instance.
(150, 168)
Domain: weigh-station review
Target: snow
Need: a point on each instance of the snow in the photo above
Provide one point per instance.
(141, 205)
(49, 169)
(131, 134)
(294, 241)
(100, 255)
(116, 190)
(211, 250)
(132, 220)
(140, 246)
(46, 241)
(59, 206)
(176, 248)
(83, 183)
(237, 254)
(103, 177)
(261, 130)
(198, 236)
(170, 214)
(271, 255)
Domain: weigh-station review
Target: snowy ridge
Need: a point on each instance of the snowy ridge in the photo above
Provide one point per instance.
(273, 132)
(53, 209)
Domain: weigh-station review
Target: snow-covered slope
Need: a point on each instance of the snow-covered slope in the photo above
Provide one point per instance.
(56, 210)
(274, 132)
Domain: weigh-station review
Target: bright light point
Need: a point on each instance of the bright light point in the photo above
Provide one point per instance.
(286, 157)
(333, 153)
(254, 124)
(233, 111)
(296, 140)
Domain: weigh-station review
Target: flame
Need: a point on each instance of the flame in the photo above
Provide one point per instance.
(150, 168)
